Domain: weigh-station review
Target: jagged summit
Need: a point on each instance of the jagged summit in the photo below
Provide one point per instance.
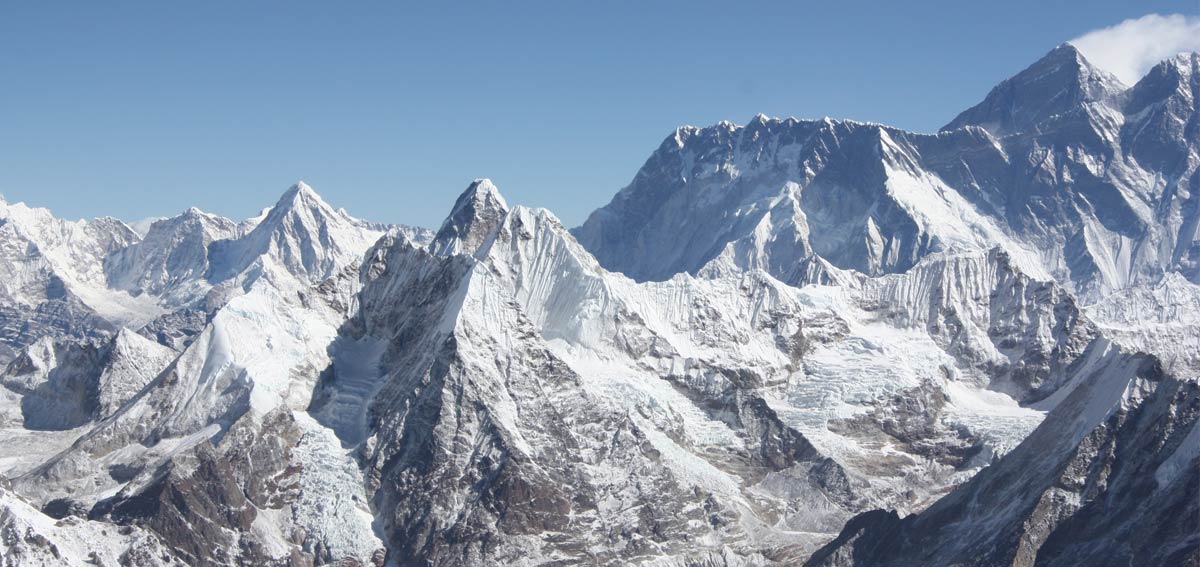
(476, 213)
(761, 118)
(775, 195)
(1183, 64)
(1187, 60)
(171, 258)
(1058, 82)
(1174, 77)
(1057, 165)
(305, 388)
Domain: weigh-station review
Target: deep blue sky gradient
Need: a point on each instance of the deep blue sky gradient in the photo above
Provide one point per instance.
(390, 109)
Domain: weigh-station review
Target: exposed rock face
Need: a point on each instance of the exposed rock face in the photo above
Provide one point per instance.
(1110, 478)
(68, 384)
(534, 426)
(172, 258)
(204, 502)
(923, 343)
(1060, 83)
(221, 439)
(29, 538)
(491, 361)
(474, 216)
(51, 270)
(215, 435)
(1062, 166)
(776, 195)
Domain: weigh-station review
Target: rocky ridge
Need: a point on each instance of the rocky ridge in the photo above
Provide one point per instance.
(875, 347)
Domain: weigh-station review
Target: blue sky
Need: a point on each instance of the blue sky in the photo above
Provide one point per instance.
(390, 109)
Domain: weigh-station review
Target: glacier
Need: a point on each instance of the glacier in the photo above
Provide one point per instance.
(818, 342)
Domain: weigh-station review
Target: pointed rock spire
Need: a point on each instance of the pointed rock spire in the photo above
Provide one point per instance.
(476, 214)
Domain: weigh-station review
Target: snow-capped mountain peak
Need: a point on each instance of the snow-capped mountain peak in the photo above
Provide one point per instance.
(301, 203)
(1171, 79)
(299, 195)
(1058, 82)
(476, 213)
(773, 328)
(303, 233)
(171, 258)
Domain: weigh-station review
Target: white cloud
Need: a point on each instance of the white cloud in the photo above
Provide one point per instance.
(1132, 47)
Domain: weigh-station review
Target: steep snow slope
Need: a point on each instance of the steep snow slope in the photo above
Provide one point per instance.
(53, 279)
(1163, 320)
(192, 263)
(824, 318)
(222, 425)
(229, 416)
(1071, 173)
(302, 233)
(29, 538)
(171, 259)
(1108, 479)
(450, 393)
(1020, 332)
(777, 194)
(477, 422)
(484, 363)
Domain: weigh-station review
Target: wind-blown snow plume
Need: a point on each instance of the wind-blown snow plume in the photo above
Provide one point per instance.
(969, 347)
(1132, 47)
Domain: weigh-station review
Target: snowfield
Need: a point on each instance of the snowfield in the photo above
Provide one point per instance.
(818, 342)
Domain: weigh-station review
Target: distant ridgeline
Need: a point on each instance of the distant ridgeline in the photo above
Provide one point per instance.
(814, 342)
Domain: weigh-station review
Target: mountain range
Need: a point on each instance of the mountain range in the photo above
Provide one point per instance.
(793, 342)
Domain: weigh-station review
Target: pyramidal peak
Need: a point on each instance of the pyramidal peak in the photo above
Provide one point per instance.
(301, 204)
(1063, 52)
(304, 190)
(701, 374)
(1063, 61)
(1059, 81)
(482, 192)
(307, 236)
(301, 194)
(476, 214)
